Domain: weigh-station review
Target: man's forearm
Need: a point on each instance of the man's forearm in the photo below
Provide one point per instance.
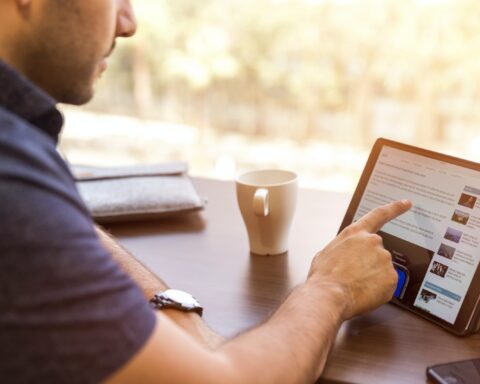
(146, 279)
(151, 284)
(292, 346)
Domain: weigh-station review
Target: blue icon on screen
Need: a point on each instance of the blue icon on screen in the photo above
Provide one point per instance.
(402, 282)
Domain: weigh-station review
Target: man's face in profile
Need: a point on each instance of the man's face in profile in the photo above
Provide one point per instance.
(67, 43)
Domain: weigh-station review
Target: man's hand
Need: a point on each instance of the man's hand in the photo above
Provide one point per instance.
(357, 263)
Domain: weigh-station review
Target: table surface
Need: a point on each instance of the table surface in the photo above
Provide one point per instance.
(207, 254)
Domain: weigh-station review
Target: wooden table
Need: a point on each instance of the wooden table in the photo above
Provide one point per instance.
(207, 254)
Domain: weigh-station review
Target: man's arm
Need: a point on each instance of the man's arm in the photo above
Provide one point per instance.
(352, 275)
(151, 284)
(289, 348)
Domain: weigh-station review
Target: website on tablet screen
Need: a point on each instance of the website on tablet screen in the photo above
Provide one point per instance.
(444, 224)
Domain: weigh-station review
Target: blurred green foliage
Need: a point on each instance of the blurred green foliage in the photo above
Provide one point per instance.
(281, 66)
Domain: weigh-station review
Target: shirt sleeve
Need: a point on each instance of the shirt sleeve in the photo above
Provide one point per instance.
(68, 313)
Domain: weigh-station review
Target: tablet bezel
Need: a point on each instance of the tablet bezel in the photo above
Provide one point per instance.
(463, 324)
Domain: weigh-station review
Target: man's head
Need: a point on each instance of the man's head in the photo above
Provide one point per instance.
(62, 45)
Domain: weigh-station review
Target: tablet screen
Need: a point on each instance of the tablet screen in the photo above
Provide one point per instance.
(435, 246)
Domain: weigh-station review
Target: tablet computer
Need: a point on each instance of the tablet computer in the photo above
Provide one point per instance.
(435, 246)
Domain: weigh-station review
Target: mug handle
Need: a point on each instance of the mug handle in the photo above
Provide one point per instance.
(261, 206)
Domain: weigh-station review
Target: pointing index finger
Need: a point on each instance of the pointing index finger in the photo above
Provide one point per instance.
(377, 218)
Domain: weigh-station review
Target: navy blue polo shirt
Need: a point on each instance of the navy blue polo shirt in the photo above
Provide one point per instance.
(68, 313)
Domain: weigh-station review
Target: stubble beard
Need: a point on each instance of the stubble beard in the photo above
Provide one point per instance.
(66, 78)
(60, 59)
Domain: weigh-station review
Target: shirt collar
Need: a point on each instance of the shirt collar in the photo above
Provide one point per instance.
(22, 98)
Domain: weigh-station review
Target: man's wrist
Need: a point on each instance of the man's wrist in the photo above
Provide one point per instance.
(195, 326)
(332, 292)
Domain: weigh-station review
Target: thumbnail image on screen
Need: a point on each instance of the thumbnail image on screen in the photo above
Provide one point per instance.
(467, 200)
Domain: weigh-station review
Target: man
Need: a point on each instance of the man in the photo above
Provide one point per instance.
(73, 305)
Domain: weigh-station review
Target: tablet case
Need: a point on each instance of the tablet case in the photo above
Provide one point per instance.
(136, 192)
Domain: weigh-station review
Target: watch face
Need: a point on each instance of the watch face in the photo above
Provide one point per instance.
(174, 298)
(180, 297)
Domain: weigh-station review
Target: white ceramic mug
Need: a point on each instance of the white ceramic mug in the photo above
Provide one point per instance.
(267, 201)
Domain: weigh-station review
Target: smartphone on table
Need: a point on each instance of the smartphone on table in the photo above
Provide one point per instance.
(458, 372)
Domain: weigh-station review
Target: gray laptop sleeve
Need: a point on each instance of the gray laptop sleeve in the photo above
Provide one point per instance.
(136, 192)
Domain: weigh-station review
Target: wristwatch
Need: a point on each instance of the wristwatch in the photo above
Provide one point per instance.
(176, 299)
